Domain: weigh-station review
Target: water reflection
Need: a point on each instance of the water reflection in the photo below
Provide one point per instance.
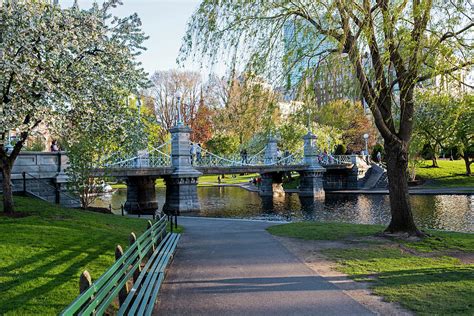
(447, 212)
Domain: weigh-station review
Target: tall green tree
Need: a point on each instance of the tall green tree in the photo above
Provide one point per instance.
(90, 144)
(436, 116)
(392, 45)
(443, 120)
(350, 118)
(251, 107)
(63, 67)
(464, 130)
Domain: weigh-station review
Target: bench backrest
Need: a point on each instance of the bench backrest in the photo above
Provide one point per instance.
(97, 298)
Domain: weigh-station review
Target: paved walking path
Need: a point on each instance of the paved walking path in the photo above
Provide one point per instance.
(234, 267)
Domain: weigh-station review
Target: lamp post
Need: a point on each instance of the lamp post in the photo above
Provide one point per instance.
(366, 139)
(178, 98)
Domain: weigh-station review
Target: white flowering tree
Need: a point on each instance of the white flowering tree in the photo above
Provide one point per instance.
(65, 67)
(392, 46)
(91, 143)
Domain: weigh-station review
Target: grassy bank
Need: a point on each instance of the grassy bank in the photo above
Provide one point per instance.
(43, 254)
(449, 174)
(433, 276)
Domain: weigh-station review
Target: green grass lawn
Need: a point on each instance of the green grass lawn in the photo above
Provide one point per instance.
(449, 174)
(42, 255)
(423, 276)
(323, 231)
(205, 180)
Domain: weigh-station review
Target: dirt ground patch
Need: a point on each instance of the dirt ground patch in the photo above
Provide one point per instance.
(309, 252)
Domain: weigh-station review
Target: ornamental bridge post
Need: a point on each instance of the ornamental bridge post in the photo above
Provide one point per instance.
(311, 179)
(271, 181)
(181, 185)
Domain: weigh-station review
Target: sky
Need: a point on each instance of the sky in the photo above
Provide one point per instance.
(164, 21)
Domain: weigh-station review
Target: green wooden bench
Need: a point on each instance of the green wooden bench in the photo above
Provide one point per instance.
(144, 263)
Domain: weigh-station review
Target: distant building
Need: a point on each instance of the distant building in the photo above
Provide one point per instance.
(330, 80)
(39, 140)
(336, 82)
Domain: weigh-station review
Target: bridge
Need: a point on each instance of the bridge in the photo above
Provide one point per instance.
(180, 170)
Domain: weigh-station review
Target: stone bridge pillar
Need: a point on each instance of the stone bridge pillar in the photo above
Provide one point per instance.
(272, 184)
(271, 151)
(141, 195)
(181, 185)
(311, 179)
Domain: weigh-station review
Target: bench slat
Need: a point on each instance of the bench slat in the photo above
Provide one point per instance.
(99, 283)
(96, 299)
(142, 275)
(144, 294)
(152, 299)
(110, 297)
(103, 296)
(96, 286)
(104, 291)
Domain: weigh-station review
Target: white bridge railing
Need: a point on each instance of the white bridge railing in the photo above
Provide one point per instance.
(157, 157)
(209, 159)
(154, 158)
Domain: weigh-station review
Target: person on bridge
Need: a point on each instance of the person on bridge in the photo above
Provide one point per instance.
(325, 156)
(286, 155)
(198, 153)
(193, 153)
(379, 157)
(54, 146)
(244, 156)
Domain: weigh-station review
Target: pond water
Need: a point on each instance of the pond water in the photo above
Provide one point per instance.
(446, 212)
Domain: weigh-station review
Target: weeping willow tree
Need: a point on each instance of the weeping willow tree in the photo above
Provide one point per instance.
(392, 46)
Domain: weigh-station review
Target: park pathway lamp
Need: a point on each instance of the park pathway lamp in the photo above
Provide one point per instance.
(366, 139)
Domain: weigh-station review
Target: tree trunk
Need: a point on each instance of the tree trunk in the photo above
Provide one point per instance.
(467, 162)
(400, 208)
(7, 190)
(434, 161)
